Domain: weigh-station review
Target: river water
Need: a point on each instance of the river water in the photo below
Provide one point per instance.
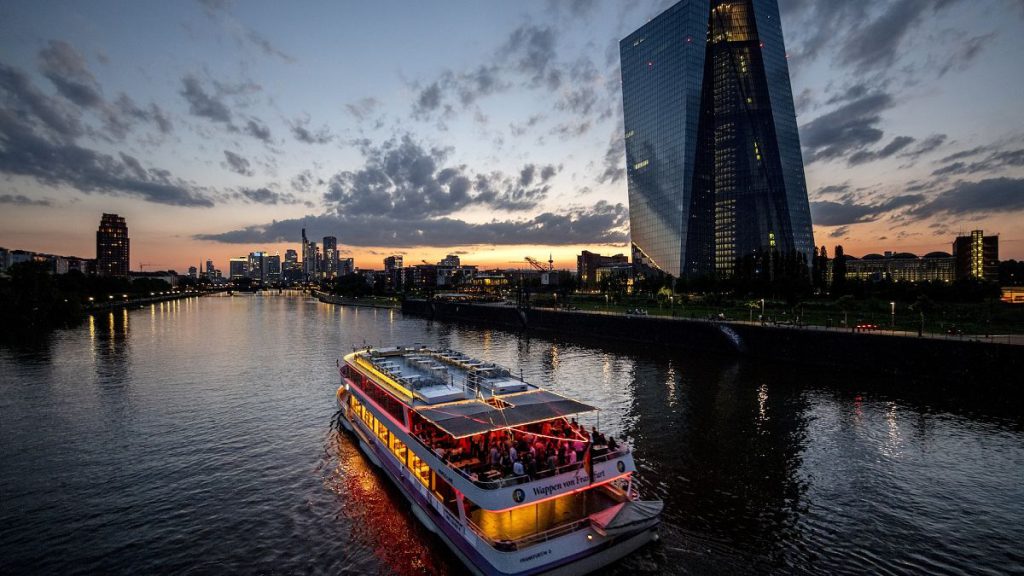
(198, 437)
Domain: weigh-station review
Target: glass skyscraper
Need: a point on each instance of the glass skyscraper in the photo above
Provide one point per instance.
(716, 179)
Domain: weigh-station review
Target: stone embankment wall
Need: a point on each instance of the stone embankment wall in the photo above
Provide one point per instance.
(903, 355)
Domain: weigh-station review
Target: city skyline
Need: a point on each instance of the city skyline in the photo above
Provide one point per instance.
(214, 127)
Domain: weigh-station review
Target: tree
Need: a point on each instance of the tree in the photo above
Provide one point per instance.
(839, 271)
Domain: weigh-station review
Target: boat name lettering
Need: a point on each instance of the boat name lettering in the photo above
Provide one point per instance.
(535, 556)
(569, 483)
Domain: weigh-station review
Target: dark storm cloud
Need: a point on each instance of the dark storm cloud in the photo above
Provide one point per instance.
(403, 179)
(897, 144)
(847, 129)
(302, 133)
(25, 153)
(203, 104)
(828, 213)
(237, 164)
(990, 196)
(22, 200)
(602, 223)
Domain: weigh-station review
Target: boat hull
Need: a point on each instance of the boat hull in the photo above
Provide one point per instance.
(481, 558)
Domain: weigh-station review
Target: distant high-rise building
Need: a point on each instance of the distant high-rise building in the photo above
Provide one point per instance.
(193, 272)
(272, 268)
(256, 266)
(291, 259)
(330, 269)
(346, 266)
(393, 271)
(112, 254)
(238, 268)
(977, 256)
(713, 164)
(210, 269)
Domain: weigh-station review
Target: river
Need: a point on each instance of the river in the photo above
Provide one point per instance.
(198, 437)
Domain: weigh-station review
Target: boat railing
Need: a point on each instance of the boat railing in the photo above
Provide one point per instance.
(506, 481)
(527, 541)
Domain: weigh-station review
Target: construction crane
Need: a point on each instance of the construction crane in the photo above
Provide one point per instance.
(536, 264)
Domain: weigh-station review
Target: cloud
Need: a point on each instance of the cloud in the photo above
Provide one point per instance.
(253, 127)
(925, 146)
(305, 181)
(302, 133)
(25, 153)
(202, 104)
(614, 159)
(405, 180)
(21, 97)
(840, 232)
(995, 161)
(967, 53)
(842, 213)
(66, 69)
(602, 223)
(990, 196)
(875, 43)
(153, 114)
(267, 196)
(862, 156)
(22, 200)
(848, 128)
(362, 108)
(237, 164)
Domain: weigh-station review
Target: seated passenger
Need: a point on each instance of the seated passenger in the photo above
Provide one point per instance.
(612, 444)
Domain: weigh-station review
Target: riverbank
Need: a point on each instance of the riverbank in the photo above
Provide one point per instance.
(363, 302)
(900, 354)
(117, 304)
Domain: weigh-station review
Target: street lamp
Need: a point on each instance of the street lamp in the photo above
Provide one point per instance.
(892, 315)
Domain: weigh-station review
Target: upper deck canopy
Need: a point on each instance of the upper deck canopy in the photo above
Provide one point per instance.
(471, 417)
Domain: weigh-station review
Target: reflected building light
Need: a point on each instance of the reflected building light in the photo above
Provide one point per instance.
(762, 402)
(670, 386)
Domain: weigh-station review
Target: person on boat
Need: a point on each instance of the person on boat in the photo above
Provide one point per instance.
(518, 469)
(612, 444)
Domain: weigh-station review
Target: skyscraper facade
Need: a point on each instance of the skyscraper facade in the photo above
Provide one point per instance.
(112, 254)
(330, 244)
(713, 164)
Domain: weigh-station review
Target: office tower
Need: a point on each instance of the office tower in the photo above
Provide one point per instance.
(210, 269)
(238, 268)
(112, 246)
(307, 260)
(977, 256)
(272, 269)
(393, 271)
(291, 259)
(330, 269)
(256, 266)
(713, 164)
(346, 266)
(193, 272)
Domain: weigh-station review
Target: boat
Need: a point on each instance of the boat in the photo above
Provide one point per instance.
(498, 468)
